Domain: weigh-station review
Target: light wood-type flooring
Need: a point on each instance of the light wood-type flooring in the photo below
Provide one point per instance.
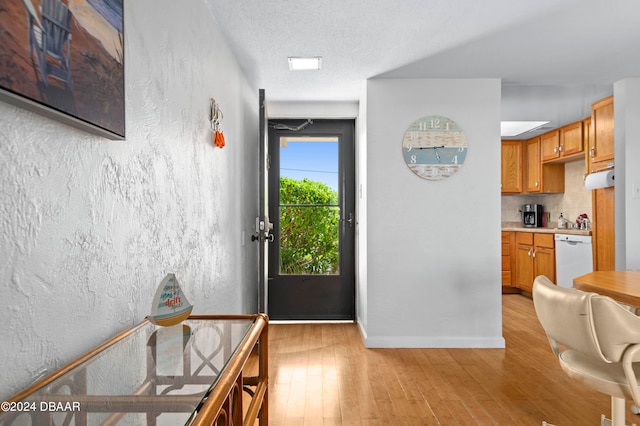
(321, 374)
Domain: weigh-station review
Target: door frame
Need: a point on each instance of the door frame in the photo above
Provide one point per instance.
(262, 231)
(345, 130)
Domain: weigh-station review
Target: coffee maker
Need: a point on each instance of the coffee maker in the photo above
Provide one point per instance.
(532, 215)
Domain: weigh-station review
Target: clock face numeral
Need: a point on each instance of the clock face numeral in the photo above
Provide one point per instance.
(434, 124)
(434, 147)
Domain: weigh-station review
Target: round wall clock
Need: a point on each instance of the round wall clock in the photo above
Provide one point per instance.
(434, 147)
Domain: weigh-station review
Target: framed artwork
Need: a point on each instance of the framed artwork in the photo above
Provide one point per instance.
(434, 147)
(65, 59)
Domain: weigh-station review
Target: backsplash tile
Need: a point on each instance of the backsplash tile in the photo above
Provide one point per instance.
(575, 200)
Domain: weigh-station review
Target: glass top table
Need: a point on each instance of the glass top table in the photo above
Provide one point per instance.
(145, 375)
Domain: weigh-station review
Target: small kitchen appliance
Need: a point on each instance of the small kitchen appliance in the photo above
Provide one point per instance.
(532, 215)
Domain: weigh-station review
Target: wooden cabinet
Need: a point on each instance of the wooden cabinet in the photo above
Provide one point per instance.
(535, 255)
(524, 261)
(542, 178)
(533, 165)
(544, 256)
(603, 229)
(550, 145)
(572, 140)
(523, 170)
(564, 144)
(600, 155)
(602, 130)
(511, 167)
(508, 261)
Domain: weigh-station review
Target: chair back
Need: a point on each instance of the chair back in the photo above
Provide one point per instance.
(56, 21)
(615, 325)
(567, 317)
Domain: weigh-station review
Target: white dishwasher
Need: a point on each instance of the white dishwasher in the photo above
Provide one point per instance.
(573, 258)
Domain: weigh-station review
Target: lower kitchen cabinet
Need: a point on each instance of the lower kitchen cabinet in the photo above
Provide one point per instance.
(535, 255)
(544, 255)
(508, 262)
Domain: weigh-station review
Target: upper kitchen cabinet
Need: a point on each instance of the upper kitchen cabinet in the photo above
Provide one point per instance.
(601, 148)
(533, 165)
(511, 167)
(564, 144)
(540, 177)
(572, 141)
(550, 145)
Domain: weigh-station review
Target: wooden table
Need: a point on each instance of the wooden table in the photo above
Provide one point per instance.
(623, 286)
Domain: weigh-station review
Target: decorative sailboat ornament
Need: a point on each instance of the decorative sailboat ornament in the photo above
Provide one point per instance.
(170, 305)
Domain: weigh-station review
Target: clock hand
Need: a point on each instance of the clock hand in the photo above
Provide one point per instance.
(428, 147)
(435, 148)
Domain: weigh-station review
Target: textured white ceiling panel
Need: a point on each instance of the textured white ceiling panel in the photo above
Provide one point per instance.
(543, 42)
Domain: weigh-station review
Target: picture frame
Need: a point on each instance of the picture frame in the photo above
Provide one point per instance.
(65, 59)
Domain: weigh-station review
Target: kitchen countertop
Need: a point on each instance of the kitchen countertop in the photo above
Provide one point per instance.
(517, 227)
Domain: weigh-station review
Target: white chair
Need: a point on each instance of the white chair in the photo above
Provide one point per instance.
(596, 340)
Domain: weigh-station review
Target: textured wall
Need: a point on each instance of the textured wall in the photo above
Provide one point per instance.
(89, 226)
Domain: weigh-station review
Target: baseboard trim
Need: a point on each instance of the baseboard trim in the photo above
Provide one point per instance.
(434, 342)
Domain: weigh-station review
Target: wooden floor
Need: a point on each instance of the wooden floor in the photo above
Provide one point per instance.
(321, 374)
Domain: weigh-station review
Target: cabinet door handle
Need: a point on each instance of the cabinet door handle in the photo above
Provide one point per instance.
(592, 152)
(560, 148)
(555, 149)
(529, 253)
(533, 254)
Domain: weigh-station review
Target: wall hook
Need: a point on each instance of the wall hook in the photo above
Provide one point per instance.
(215, 116)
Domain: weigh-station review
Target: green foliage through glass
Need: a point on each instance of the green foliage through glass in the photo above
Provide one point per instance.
(309, 231)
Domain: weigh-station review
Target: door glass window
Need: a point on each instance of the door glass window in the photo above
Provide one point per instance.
(309, 207)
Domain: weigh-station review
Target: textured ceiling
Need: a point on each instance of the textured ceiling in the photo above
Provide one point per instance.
(571, 50)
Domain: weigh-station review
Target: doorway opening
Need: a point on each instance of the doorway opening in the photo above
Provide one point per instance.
(311, 203)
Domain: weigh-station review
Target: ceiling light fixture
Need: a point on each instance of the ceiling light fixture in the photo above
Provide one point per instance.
(298, 63)
(515, 128)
